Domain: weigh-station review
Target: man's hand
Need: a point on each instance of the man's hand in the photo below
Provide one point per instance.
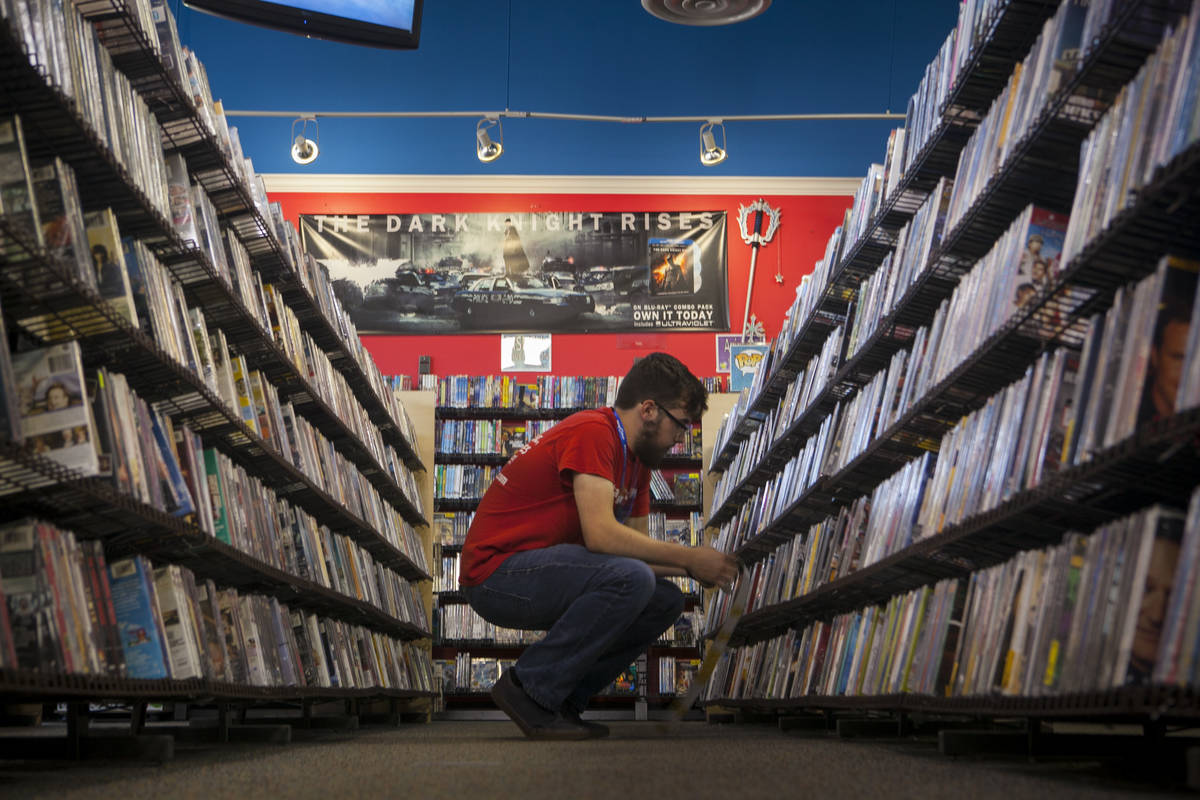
(712, 567)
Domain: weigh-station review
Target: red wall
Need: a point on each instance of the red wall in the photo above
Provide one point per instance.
(805, 225)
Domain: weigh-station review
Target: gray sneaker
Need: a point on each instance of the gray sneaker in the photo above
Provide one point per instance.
(533, 720)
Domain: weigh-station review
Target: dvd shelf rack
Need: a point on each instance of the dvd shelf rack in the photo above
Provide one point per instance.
(1160, 703)
(184, 132)
(104, 182)
(1108, 263)
(471, 503)
(1143, 213)
(1012, 30)
(1160, 217)
(619, 697)
(1155, 220)
(91, 506)
(161, 375)
(1129, 476)
(34, 485)
(455, 412)
(112, 340)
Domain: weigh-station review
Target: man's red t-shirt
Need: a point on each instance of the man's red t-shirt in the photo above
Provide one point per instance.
(531, 505)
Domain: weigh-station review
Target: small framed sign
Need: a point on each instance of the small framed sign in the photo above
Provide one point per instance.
(525, 352)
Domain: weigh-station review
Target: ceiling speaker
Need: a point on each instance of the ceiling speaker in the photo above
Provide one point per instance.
(705, 12)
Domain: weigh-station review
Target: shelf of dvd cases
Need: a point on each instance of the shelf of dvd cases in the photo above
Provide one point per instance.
(91, 323)
(80, 313)
(1154, 222)
(58, 130)
(108, 183)
(1156, 219)
(488, 653)
(1005, 39)
(112, 174)
(36, 486)
(223, 310)
(1096, 622)
(55, 128)
(1156, 702)
(32, 684)
(183, 130)
(472, 503)
(1042, 165)
(1148, 468)
(1040, 170)
(500, 459)
(136, 56)
(1048, 320)
(513, 412)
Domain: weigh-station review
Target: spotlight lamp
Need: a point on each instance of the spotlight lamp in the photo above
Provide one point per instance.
(305, 150)
(710, 153)
(485, 148)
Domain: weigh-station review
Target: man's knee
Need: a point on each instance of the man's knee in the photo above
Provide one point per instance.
(634, 578)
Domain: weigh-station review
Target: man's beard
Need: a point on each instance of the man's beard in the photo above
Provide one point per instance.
(646, 451)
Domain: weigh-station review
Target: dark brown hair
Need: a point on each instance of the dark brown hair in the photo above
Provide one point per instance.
(663, 378)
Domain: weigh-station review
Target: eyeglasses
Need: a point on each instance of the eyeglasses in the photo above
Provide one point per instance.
(673, 418)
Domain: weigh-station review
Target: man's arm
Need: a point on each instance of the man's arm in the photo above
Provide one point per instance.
(603, 534)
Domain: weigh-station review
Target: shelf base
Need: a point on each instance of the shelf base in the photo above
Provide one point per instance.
(1035, 744)
(155, 747)
(262, 734)
(805, 724)
(874, 727)
(333, 722)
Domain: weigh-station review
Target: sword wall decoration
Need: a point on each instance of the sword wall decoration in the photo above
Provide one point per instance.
(751, 220)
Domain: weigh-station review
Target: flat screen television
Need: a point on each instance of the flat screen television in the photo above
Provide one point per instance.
(394, 24)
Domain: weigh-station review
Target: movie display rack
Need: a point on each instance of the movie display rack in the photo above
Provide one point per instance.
(45, 302)
(1157, 463)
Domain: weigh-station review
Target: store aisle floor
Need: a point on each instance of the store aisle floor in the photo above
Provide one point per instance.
(491, 761)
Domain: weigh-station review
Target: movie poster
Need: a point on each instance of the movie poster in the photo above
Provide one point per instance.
(559, 272)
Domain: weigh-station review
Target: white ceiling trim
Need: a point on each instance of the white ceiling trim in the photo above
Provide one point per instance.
(558, 184)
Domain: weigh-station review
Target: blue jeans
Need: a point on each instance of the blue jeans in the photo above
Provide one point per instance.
(600, 613)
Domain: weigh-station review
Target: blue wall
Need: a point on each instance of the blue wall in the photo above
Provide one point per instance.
(590, 57)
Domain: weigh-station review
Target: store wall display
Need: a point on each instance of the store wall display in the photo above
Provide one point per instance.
(794, 251)
(555, 271)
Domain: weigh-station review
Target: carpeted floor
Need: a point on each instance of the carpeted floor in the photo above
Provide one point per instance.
(491, 760)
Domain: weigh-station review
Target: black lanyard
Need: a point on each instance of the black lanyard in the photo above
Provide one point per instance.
(623, 513)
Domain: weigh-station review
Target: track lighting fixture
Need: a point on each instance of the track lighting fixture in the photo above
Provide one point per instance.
(485, 148)
(305, 150)
(710, 153)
